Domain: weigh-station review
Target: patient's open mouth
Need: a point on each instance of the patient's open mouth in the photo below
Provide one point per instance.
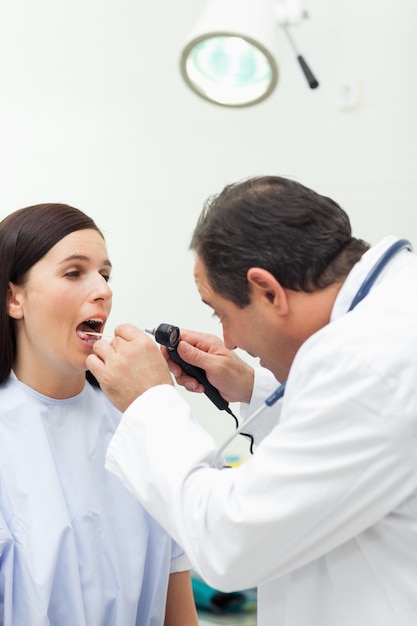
(86, 330)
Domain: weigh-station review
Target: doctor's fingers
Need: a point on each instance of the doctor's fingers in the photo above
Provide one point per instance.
(136, 353)
(203, 341)
(125, 372)
(129, 332)
(183, 379)
(232, 376)
(120, 391)
(212, 362)
(110, 361)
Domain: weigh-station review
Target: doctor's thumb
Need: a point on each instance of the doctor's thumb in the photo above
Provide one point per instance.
(191, 354)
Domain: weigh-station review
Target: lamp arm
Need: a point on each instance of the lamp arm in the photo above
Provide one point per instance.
(311, 79)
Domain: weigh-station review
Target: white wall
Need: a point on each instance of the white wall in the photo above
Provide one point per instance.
(93, 113)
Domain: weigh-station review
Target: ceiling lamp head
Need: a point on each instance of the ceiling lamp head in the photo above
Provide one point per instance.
(229, 57)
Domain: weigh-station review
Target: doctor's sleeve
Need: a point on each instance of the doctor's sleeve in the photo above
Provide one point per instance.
(179, 560)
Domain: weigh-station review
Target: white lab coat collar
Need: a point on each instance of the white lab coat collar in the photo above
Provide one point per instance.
(357, 275)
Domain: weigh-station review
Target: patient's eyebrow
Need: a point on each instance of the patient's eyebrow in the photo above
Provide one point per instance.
(84, 258)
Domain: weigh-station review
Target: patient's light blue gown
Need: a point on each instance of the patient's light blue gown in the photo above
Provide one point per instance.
(76, 549)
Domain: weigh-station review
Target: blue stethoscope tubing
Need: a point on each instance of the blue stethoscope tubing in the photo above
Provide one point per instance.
(364, 289)
(369, 282)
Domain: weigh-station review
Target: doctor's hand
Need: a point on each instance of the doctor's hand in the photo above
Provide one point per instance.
(224, 369)
(128, 366)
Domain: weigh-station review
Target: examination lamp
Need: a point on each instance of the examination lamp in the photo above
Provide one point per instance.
(229, 56)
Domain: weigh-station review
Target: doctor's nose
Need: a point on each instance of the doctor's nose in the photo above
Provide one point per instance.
(228, 341)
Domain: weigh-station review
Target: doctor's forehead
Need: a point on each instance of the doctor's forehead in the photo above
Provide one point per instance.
(200, 273)
(201, 281)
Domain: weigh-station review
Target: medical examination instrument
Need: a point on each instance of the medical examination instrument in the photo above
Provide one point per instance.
(169, 336)
(100, 335)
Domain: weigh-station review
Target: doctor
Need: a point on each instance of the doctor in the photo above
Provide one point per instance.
(323, 517)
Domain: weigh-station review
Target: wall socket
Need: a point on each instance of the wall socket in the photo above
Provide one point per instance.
(348, 94)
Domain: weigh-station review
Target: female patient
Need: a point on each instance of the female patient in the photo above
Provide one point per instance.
(76, 549)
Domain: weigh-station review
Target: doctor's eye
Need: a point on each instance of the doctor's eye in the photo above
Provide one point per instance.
(217, 317)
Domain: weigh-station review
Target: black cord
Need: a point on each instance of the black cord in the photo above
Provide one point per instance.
(252, 443)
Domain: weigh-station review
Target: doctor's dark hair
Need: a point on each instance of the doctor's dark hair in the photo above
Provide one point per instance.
(26, 235)
(302, 238)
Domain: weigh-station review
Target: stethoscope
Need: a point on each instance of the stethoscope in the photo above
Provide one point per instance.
(364, 289)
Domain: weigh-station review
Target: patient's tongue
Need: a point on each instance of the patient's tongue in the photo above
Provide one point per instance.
(84, 328)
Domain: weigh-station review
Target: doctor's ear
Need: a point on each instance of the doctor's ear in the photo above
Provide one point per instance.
(263, 284)
(14, 301)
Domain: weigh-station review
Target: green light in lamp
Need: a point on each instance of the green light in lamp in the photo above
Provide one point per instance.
(229, 70)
